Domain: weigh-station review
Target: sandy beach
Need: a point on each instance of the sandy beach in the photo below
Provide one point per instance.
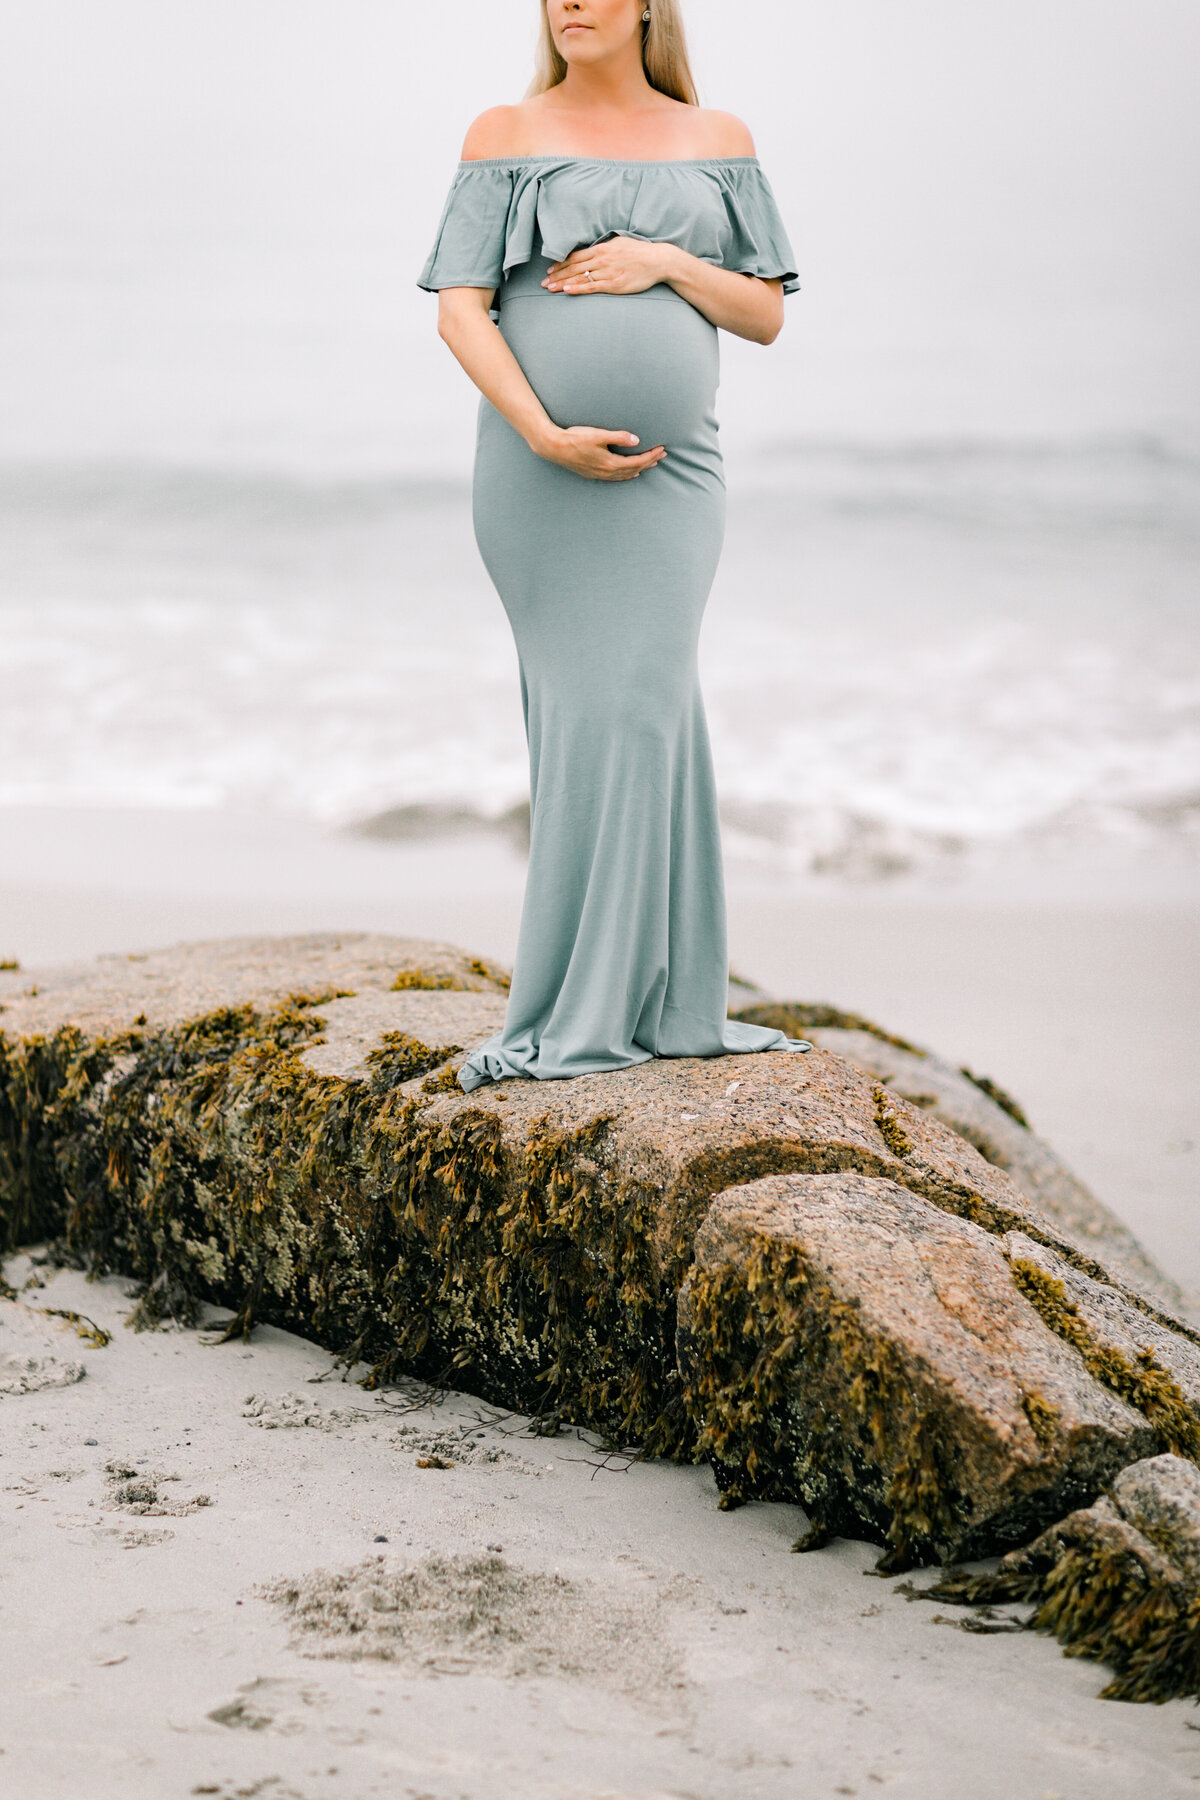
(574, 1626)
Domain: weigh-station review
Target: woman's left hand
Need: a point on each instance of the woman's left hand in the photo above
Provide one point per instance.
(620, 265)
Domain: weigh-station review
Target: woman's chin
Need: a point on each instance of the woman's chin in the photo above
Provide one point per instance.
(577, 47)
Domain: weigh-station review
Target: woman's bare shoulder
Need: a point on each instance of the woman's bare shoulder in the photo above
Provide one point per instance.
(723, 134)
(500, 131)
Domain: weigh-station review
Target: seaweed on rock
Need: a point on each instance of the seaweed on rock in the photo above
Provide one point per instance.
(39, 1076)
(1102, 1591)
(1098, 1603)
(757, 1331)
(795, 1018)
(1001, 1096)
(399, 1057)
(1144, 1383)
(886, 1117)
(424, 981)
(208, 1162)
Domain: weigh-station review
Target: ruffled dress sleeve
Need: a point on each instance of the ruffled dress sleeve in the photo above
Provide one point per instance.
(468, 250)
(760, 243)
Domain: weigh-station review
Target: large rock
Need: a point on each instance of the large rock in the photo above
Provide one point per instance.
(160, 988)
(62, 1030)
(850, 1343)
(276, 1125)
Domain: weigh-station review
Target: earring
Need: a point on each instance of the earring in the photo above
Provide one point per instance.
(645, 18)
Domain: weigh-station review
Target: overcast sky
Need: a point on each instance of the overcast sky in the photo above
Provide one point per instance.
(213, 212)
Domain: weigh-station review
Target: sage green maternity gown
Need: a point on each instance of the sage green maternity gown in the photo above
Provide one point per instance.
(621, 955)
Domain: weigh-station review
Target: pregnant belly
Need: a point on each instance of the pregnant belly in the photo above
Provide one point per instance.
(646, 363)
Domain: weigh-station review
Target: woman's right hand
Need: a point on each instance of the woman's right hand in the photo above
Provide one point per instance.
(585, 450)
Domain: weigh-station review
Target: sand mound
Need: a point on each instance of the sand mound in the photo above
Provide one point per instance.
(30, 1374)
(136, 1490)
(275, 1412)
(463, 1615)
(468, 1446)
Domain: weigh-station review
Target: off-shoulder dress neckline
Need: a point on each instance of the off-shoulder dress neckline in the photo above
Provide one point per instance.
(619, 162)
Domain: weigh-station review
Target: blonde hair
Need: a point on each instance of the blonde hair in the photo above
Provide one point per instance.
(664, 55)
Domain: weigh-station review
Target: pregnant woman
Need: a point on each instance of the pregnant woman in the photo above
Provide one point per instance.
(594, 240)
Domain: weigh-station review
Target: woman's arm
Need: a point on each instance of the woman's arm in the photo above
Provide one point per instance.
(464, 324)
(744, 304)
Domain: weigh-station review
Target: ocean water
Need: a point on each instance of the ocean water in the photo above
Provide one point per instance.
(955, 630)
(925, 660)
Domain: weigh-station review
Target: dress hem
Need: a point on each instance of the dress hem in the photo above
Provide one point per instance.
(487, 1067)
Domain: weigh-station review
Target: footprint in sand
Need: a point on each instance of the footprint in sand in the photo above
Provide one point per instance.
(269, 1705)
(130, 1540)
(268, 1787)
(138, 1491)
